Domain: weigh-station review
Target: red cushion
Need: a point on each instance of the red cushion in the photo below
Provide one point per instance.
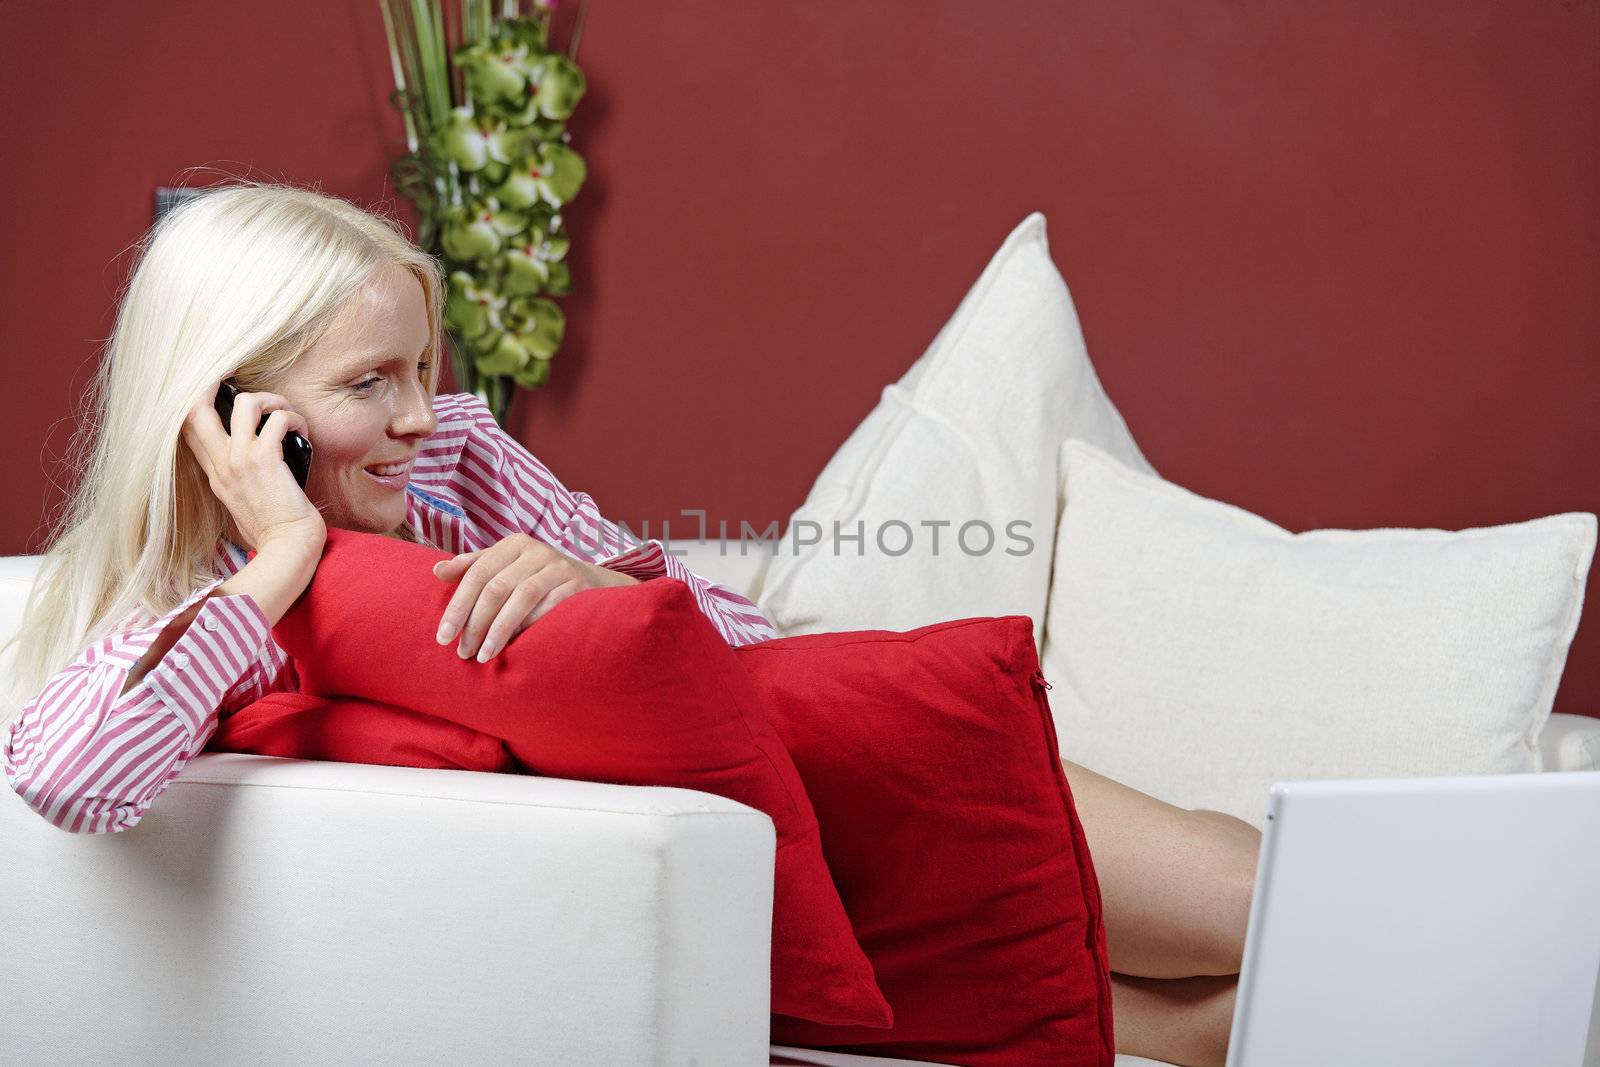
(931, 760)
(947, 822)
(347, 730)
(629, 685)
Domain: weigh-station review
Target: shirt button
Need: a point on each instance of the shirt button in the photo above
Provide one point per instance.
(180, 660)
(212, 624)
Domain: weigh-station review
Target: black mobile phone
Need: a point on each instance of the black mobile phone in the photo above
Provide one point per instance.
(296, 449)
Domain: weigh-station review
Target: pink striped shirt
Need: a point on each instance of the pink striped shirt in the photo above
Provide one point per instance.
(92, 761)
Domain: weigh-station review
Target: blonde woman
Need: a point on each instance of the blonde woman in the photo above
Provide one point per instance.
(186, 541)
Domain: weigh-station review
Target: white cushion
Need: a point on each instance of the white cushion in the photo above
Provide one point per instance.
(1570, 743)
(735, 563)
(1200, 653)
(968, 436)
(16, 582)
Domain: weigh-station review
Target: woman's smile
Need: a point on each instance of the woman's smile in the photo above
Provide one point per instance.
(390, 475)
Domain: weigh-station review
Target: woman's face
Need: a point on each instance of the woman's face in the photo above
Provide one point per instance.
(366, 402)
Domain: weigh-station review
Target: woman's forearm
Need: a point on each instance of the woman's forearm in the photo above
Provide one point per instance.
(275, 578)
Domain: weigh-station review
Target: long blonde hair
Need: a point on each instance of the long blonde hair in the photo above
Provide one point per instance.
(239, 281)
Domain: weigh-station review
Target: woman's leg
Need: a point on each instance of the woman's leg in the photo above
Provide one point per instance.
(1176, 1020)
(1175, 883)
(1175, 886)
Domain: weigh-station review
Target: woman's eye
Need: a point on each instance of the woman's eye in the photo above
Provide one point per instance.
(368, 383)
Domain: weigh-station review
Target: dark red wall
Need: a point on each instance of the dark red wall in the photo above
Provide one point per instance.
(1336, 261)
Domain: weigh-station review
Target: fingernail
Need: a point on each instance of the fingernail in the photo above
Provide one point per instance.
(447, 630)
(484, 653)
(463, 651)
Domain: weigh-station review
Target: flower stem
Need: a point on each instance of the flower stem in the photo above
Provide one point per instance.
(577, 31)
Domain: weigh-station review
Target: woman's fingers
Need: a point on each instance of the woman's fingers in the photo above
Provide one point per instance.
(203, 433)
(469, 589)
(563, 589)
(492, 576)
(502, 606)
(492, 598)
(503, 610)
(502, 590)
(216, 446)
(527, 602)
(460, 606)
(452, 568)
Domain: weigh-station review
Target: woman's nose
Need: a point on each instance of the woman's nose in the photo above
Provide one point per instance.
(417, 415)
(423, 422)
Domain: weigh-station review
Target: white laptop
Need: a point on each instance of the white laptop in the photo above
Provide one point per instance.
(1425, 921)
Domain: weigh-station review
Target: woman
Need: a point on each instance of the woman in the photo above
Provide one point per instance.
(149, 621)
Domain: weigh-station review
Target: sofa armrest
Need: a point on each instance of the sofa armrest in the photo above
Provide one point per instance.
(1571, 743)
(271, 910)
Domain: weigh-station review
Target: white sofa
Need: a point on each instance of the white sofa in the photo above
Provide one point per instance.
(294, 912)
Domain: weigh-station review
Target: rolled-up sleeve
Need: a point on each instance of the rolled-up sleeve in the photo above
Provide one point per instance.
(90, 758)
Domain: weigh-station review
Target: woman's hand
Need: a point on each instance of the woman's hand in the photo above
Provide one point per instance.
(247, 472)
(508, 585)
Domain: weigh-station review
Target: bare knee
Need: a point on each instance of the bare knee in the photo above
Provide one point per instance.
(1218, 1023)
(1234, 846)
(1207, 1044)
(1185, 1021)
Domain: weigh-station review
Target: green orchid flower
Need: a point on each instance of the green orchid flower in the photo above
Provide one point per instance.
(525, 33)
(553, 173)
(525, 271)
(560, 281)
(560, 86)
(519, 187)
(495, 73)
(476, 232)
(468, 237)
(535, 374)
(491, 179)
(506, 356)
(472, 309)
(529, 257)
(492, 175)
(544, 324)
(508, 223)
(462, 141)
(523, 114)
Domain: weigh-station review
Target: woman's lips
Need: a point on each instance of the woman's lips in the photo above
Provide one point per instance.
(391, 481)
